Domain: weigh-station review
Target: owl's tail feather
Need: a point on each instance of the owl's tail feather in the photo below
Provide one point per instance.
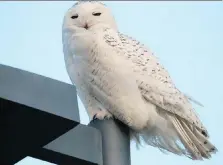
(178, 137)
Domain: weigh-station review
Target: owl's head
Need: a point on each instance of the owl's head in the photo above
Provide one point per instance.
(89, 15)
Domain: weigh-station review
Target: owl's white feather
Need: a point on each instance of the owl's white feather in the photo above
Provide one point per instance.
(117, 76)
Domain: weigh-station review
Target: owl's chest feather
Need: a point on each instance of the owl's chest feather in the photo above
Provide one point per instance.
(100, 65)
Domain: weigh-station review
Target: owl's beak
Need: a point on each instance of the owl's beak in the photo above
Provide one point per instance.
(86, 26)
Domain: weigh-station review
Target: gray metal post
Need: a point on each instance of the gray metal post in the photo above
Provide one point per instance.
(115, 141)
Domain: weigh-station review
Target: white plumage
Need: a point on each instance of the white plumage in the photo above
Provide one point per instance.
(117, 76)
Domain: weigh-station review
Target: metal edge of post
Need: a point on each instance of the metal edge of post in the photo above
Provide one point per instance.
(115, 141)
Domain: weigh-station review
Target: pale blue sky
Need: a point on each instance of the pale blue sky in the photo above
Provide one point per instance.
(187, 37)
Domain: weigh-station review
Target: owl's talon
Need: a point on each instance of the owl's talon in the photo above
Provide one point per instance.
(94, 117)
(107, 117)
(101, 115)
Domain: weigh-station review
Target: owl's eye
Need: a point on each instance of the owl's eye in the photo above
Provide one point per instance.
(74, 16)
(96, 14)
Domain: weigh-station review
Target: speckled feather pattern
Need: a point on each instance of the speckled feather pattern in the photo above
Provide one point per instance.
(147, 65)
(117, 76)
(157, 87)
(155, 83)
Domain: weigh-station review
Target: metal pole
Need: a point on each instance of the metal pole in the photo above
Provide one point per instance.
(115, 141)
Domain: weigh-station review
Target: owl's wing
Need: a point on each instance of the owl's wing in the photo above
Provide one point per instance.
(156, 85)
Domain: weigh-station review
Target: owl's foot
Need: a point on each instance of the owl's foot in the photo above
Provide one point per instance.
(102, 115)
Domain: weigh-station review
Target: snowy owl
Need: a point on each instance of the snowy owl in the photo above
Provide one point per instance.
(117, 76)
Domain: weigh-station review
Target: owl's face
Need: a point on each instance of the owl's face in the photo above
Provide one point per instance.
(89, 15)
